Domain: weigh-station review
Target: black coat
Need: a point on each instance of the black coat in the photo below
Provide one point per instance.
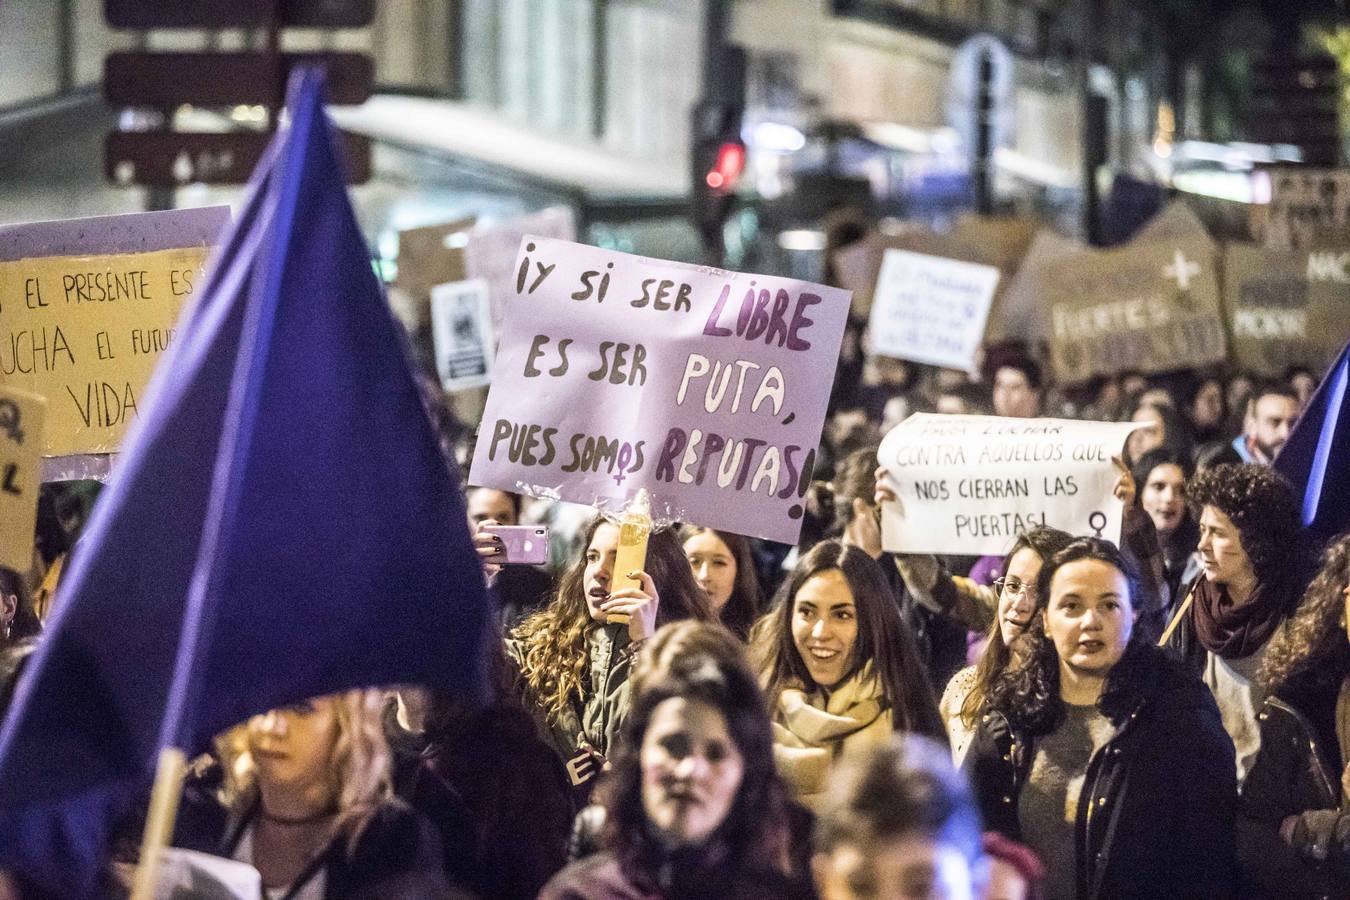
(397, 856)
(1155, 816)
(1298, 769)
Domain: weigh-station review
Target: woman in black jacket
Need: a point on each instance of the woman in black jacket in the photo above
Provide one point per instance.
(1293, 821)
(1102, 754)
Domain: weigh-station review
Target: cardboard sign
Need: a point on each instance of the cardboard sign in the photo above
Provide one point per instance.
(491, 251)
(931, 310)
(1307, 207)
(88, 306)
(1022, 313)
(706, 387)
(1151, 305)
(21, 416)
(461, 329)
(1286, 308)
(972, 484)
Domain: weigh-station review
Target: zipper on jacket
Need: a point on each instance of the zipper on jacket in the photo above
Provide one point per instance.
(1303, 723)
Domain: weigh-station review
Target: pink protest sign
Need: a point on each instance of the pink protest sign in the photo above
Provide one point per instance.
(617, 372)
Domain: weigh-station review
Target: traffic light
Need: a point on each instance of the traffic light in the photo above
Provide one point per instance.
(717, 153)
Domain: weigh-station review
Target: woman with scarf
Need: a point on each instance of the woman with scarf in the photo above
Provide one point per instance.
(1294, 815)
(1100, 752)
(839, 667)
(1252, 577)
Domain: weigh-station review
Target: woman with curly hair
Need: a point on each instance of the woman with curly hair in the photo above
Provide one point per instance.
(574, 662)
(1253, 573)
(1294, 815)
(724, 566)
(1100, 752)
(306, 800)
(694, 808)
(839, 667)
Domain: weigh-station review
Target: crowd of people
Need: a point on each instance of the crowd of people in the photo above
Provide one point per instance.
(1167, 715)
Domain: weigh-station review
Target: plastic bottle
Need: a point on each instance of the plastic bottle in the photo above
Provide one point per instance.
(634, 528)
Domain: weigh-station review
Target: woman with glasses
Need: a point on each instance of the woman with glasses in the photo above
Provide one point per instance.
(1016, 591)
(1101, 752)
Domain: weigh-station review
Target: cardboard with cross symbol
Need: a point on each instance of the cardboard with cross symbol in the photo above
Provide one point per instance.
(1151, 305)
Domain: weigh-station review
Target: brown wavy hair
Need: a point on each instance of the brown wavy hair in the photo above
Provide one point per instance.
(552, 641)
(1314, 640)
(1045, 542)
(1262, 506)
(884, 640)
(359, 766)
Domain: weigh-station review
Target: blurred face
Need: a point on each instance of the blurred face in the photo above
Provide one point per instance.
(1271, 419)
(1164, 497)
(714, 567)
(1090, 617)
(1013, 394)
(825, 627)
(1220, 547)
(292, 746)
(1017, 594)
(599, 567)
(1142, 440)
(1207, 407)
(691, 771)
(486, 503)
(895, 869)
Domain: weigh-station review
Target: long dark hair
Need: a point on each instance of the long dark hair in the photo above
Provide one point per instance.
(553, 640)
(747, 599)
(884, 640)
(1045, 542)
(1314, 641)
(1028, 693)
(754, 833)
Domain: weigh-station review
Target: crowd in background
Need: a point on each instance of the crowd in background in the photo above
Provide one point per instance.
(830, 719)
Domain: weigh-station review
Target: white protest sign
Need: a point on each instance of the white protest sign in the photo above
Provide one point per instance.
(972, 484)
(928, 309)
(617, 372)
(461, 329)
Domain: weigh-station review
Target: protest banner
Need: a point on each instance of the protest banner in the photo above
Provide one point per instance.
(21, 415)
(430, 255)
(87, 306)
(931, 310)
(1022, 314)
(616, 372)
(972, 484)
(1307, 207)
(461, 330)
(491, 251)
(1285, 307)
(1151, 305)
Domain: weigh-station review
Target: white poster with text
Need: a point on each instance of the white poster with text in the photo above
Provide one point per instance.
(972, 484)
(928, 309)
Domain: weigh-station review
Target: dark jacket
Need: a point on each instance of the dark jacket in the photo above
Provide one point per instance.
(397, 856)
(682, 877)
(1155, 816)
(940, 639)
(1298, 769)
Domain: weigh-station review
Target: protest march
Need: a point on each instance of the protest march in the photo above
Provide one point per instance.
(1011, 564)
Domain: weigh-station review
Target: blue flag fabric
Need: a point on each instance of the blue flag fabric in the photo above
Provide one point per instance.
(283, 526)
(1316, 458)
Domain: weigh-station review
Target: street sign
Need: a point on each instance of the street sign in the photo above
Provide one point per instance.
(173, 159)
(226, 79)
(238, 13)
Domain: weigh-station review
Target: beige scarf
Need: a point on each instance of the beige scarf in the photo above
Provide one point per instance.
(811, 731)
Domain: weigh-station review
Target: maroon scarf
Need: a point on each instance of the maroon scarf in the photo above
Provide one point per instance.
(1231, 631)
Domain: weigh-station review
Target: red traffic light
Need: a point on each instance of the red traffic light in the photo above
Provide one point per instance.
(728, 168)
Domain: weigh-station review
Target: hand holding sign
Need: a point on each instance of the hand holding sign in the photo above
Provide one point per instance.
(971, 484)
